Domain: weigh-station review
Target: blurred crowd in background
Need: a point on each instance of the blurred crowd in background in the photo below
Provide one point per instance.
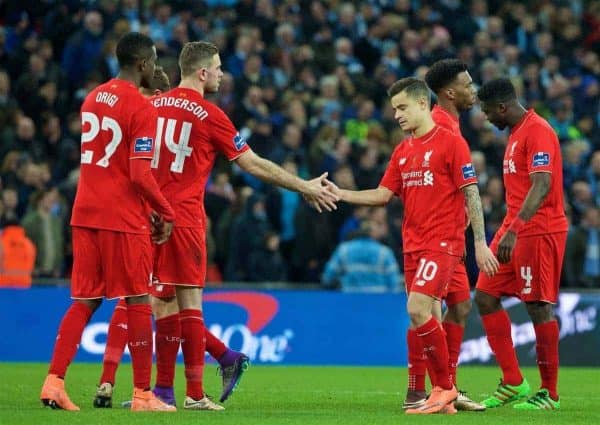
(305, 83)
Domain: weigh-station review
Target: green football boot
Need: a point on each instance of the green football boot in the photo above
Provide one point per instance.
(505, 394)
(540, 401)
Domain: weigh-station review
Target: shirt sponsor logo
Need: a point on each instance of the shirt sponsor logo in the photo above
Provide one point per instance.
(238, 141)
(428, 178)
(541, 159)
(417, 178)
(509, 166)
(143, 144)
(468, 171)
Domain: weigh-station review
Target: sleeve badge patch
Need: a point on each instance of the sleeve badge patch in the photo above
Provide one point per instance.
(540, 159)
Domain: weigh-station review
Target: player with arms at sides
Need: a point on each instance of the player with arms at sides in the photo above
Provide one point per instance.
(232, 364)
(530, 244)
(449, 79)
(112, 247)
(431, 172)
(191, 131)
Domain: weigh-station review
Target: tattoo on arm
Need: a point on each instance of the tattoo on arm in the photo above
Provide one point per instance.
(475, 211)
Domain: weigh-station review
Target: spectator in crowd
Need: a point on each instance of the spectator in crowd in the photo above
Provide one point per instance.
(266, 263)
(582, 198)
(582, 257)
(592, 175)
(363, 263)
(247, 235)
(83, 49)
(353, 222)
(17, 254)
(44, 226)
(282, 206)
(10, 201)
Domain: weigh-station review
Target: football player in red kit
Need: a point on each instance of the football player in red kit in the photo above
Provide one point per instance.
(112, 250)
(530, 244)
(431, 172)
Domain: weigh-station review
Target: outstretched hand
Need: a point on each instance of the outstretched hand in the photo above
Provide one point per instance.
(319, 195)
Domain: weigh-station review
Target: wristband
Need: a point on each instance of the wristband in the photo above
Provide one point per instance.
(516, 225)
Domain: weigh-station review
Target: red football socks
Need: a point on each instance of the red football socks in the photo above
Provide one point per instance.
(497, 329)
(214, 346)
(416, 362)
(167, 340)
(115, 343)
(547, 336)
(193, 345)
(436, 350)
(454, 336)
(68, 337)
(139, 319)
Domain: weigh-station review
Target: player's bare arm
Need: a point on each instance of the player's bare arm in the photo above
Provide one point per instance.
(483, 255)
(540, 186)
(316, 190)
(371, 197)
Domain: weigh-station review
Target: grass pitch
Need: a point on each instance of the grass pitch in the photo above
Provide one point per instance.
(292, 395)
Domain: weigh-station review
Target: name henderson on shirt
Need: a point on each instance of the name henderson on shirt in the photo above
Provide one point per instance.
(111, 99)
(184, 104)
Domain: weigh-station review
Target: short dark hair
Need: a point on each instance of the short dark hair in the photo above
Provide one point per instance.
(497, 91)
(413, 87)
(133, 47)
(444, 72)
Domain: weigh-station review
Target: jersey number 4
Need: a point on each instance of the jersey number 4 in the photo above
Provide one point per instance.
(527, 276)
(180, 149)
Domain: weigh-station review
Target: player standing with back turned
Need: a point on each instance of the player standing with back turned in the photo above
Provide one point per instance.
(112, 251)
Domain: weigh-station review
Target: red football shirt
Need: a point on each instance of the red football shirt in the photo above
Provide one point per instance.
(427, 173)
(534, 148)
(445, 119)
(191, 131)
(118, 124)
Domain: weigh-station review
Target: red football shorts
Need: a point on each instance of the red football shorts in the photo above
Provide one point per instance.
(429, 272)
(110, 264)
(179, 261)
(458, 289)
(533, 274)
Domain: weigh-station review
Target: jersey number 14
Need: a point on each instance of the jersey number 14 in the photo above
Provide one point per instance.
(180, 149)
